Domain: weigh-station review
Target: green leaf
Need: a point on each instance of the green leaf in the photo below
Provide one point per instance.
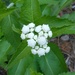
(2, 4)
(46, 11)
(69, 16)
(35, 73)
(63, 30)
(16, 29)
(68, 73)
(30, 11)
(22, 51)
(5, 12)
(30, 71)
(54, 22)
(34, 65)
(21, 67)
(62, 4)
(50, 2)
(52, 63)
(1, 33)
(4, 47)
(9, 34)
(58, 26)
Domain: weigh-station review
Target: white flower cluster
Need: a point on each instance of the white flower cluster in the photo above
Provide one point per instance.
(37, 38)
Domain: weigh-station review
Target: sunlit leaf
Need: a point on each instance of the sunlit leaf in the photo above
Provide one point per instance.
(63, 30)
(20, 68)
(30, 71)
(22, 51)
(5, 12)
(9, 34)
(4, 47)
(30, 11)
(54, 22)
(68, 73)
(52, 63)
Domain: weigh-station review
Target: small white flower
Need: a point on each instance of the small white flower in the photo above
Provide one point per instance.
(26, 35)
(30, 35)
(45, 28)
(35, 37)
(31, 29)
(45, 46)
(50, 33)
(31, 25)
(25, 29)
(10, 5)
(22, 36)
(31, 43)
(47, 50)
(36, 47)
(41, 33)
(41, 52)
(42, 40)
(38, 29)
(46, 35)
(34, 51)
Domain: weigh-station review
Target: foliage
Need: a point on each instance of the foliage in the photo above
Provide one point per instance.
(69, 73)
(16, 52)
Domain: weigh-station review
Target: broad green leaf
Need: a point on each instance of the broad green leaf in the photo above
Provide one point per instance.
(64, 3)
(68, 73)
(54, 22)
(5, 12)
(21, 52)
(4, 47)
(34, 65)
(59, 26)
(22, 45)
(35, 73)
(69, 16)
(63, 30)
(52, 63)
(15, 1)
(30, 11)
(46, 11)
(57, 8)
(50, 2)
(1, 33)
(9, 34)
(21, 67)
(16, 29)
(2, 4)
(30, 71)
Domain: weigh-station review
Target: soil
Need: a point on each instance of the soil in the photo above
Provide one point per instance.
(68, 46)
(2, 71)
(68, 50)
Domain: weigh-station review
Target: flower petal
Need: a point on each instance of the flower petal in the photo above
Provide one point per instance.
(31, 43)
(22, 36)
(45, 28)
(34, 51)
(41, 52)
(38, 29)
(25, 29)
(42, 40)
